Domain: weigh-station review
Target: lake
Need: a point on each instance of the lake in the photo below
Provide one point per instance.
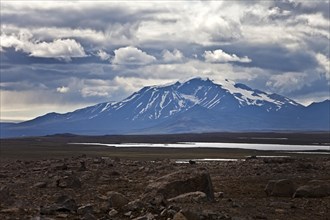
(277, 147)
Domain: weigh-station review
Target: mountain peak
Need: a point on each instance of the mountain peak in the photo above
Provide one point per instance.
(195, 79)
(196, 103)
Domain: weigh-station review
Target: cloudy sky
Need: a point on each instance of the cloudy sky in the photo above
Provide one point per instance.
(59, 56)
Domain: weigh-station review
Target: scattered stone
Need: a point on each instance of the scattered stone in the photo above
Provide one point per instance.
(104, 178)
(40, 185)
(280, 211)
(191, 214)
(62, 215)
(313, 189)
(179, 216)
(116, 199)
(113, 212)
(261, 216)
(85, 209)
(192, 162)
(98, 161)
(60, 166)
(128, 214)
(134, 205)
(197, 197)
(66, 204)
(10, 210)
(184, 181)
(219, 195)
(21, 191)
(82, 166)
(89, 216)
(235, 205)
(68, 182)
(48, 210)
(114, 173)
(148, 216)
(281, 188)
(158, 200)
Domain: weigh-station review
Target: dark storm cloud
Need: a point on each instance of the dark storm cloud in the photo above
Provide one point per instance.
(274, 57)
(90, 16)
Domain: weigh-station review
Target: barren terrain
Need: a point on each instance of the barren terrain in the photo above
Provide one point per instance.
(44, 178)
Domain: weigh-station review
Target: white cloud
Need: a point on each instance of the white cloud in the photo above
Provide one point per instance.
(288, 82)
(63, 49)
(324, 63)
(131, 56)
(103, 55)
(62, 89)
(219, 56)
(59, 48)
(174, 56)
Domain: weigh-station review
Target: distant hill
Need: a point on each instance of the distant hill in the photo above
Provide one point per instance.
(196, 105)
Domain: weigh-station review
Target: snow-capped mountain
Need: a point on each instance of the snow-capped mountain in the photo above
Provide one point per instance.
(194, 105)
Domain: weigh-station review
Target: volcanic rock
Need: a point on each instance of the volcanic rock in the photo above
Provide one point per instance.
(116, 199)
(281, 188)
(68, 182)
(181, 182)
(179, 216)
(66, 204)
(197, 197)
(313, 189)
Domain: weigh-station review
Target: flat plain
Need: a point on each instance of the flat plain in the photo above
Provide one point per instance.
(37, 172)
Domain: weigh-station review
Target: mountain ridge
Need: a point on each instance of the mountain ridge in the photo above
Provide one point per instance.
(195, 105)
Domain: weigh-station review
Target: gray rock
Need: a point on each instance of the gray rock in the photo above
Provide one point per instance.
(85, 209)
(177, 183)
(89, 216)
(313, 189)
(40, 185)
(48, 210)
(179, 216)
(219, 194)
(196, 197)
(62, 204)
(113, 212)
(191, 214)
(62, 216)
(82, 166)
(116, 199)
(68, 182)
(148, 216)
(10, 211)
(128, 214)
(281, 188)
(60, 166)
(66, 204)
(134, 205)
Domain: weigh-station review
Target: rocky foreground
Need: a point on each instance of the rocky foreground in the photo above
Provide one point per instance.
(109, 188)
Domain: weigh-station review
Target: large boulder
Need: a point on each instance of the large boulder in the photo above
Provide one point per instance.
(181, 182)
(281, 188)
(313, 189)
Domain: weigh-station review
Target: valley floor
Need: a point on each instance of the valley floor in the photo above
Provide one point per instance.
(50, 180)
